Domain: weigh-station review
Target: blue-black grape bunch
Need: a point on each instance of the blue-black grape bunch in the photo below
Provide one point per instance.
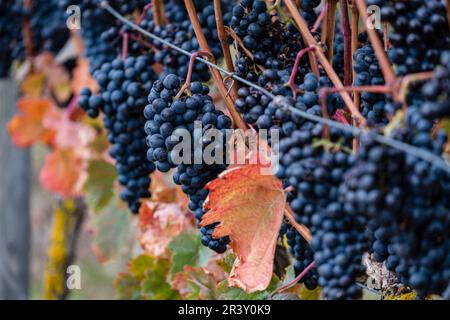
(273, 43)
(436, 91)
(304, 256)
(100, 44)
(178, 30)
(366, 202)
(169, 118)
(367, 73)
(47, 26)
(309, 8)
(419, 33)
(356, 196)
(124, 87)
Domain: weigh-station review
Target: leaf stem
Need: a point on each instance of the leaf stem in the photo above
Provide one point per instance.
(125, 38)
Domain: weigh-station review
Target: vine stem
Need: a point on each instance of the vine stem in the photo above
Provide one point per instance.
(221, 33)
(187, 84)
(409, 79)
(125, 38)
(340, 117)
(216, 74)
(385, 66)
(309, 39)
(324, 92)
(292, 283)
(158, 12)
(300, 54)
(386, 36)
(347, 43)
(322, 16)
(355, 33)
(328, 28)
(303, 230)
(147, 7)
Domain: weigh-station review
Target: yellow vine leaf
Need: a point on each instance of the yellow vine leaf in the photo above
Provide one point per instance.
(33, 85)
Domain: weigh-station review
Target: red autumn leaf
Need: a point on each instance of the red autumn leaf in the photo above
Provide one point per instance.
(159, 223)
(249, 207)
(68, 133)
(64, 172)
(27, 127)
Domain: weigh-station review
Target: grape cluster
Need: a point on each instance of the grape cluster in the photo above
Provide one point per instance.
(46, 23)
(420, 33)
(94, 21)
(436, 91)
(48, 26)
(339, 239)
(403, 198)
(169, 119)
(100, 44)
(368, 72)
(272, 43)
(304, 256)
(178, 30)
(124, 87)
(308, 11)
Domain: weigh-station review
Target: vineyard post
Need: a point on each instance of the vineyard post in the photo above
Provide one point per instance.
(15, 168)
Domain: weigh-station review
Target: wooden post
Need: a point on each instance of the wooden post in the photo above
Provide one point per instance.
(15, 178)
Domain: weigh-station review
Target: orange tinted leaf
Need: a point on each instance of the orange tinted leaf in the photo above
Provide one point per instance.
(195, 283)
(249, 207)
(64, 172)
(27, 127)
(159, 224)
(163, 191)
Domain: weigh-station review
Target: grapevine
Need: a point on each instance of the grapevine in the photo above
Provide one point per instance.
(355, 118)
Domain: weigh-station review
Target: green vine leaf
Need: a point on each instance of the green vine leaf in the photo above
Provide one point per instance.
(187, 250)
(145, 279)
(99, 185)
